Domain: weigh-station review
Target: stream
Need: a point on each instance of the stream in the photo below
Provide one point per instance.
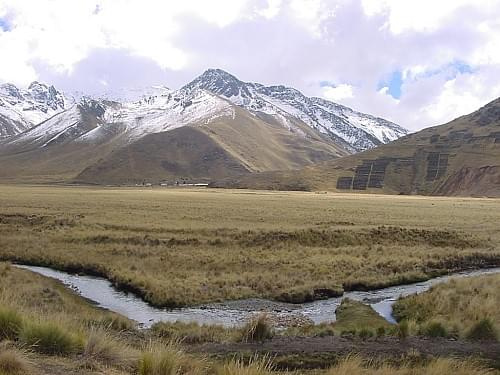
(234, 313)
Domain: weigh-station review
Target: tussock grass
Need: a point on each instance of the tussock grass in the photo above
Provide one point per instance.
(461, 307)
(194, 333)
(49, 338)
(259, 328)
(10, 323)
(356, 366)
(169, 359)
(484, 330)
(13, 362)
(256, 366)
(101, 347)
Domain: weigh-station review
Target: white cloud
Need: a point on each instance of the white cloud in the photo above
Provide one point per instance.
(339, 92)
(420, 15)
(359, 43)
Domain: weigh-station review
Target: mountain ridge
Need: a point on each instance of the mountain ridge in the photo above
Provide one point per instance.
(461, 157)
(356, 130)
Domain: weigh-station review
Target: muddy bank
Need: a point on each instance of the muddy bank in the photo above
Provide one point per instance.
(314, 352)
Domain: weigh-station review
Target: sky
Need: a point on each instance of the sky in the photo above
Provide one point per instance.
(415, 62)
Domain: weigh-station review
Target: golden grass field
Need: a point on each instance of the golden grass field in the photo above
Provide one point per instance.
(180, 247)
(46, 329)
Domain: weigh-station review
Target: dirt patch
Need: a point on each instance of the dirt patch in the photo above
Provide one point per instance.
(484, 181)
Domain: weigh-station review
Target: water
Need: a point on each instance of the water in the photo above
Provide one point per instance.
(106, 296)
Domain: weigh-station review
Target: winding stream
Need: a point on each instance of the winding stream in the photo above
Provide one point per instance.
(235, 313)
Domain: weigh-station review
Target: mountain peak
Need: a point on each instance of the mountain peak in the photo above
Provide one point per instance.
(220, 82)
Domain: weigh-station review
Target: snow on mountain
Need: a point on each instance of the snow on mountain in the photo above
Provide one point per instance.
(170, 110)
(94, 120)
(358, 131)
(43, 115)
(22, 109)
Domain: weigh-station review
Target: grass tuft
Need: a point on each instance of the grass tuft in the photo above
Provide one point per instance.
(102, 347)
(10, 324)
(48, 338)
(256, 366)
(259, 328)
(484, 330)
(13, 362)
(169, 359)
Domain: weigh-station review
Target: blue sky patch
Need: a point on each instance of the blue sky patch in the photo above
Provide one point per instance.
(451, 70)
(5, 24)
(394, 83)
(326, 84)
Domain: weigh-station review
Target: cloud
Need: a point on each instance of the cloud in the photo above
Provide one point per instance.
(336, 93)
(418, 63)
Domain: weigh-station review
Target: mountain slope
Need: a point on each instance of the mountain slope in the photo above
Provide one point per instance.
(89, 140)
(354, 130)
(201, 152)
(22, 109)
(458, 158)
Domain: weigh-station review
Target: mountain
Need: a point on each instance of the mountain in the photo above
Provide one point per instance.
(22, 109)
(214, 127)
(353, 130)
(188, 134)
(459, 158)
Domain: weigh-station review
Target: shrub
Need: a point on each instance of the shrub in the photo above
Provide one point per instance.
(10, 324)
(484, 330)
(258, 328)
(435, 329)
(48, 338)
(12, 362)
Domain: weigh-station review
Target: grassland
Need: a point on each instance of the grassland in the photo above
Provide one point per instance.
(461, 308)
(46, 329)
(180, 247)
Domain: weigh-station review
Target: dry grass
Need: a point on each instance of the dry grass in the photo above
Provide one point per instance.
(352, 318)
(355, 366)
(259, 328)
(256, 366)
(183, 247)
(463, 307)
(13, 362)
(103, 348)
(194, 333)
(169, 359)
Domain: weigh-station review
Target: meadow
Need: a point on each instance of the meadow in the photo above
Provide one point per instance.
(178, 247)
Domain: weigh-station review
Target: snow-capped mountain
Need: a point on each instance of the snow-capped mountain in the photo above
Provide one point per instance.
(156, 109)
(357, 131)
(93, 120)
(22, 109)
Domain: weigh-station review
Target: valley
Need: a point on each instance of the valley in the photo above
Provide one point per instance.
(178, 247)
